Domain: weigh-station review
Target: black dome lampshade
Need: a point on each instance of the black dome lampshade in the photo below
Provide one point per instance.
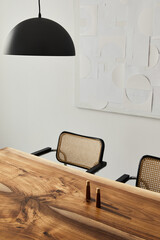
(39, 37)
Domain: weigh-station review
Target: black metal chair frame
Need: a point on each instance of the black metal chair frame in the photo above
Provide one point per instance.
(92, 170)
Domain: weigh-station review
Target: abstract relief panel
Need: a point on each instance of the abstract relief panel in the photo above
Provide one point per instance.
(119, 61)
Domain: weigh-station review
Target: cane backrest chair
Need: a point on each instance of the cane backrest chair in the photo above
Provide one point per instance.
(78, 150)
(148, 176)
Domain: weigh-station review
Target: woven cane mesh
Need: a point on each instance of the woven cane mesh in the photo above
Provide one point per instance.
(79, 150)
(149, 174)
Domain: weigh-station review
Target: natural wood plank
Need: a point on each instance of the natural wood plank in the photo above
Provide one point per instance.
(48, 201)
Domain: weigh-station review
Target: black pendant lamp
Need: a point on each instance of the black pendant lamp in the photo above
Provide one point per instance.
(40, 37)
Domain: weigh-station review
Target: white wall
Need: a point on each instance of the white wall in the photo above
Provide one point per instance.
(37, 99)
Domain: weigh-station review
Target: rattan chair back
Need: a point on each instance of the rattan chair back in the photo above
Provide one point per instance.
(149, 173)
(79, 150)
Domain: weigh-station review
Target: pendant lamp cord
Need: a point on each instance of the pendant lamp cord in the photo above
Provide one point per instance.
(39, 5)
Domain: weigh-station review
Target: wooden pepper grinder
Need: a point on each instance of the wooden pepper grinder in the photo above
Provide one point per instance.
(98, 198)
(88, 193)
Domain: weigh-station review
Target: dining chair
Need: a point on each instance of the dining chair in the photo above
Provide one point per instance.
(78, 150)
(148, 175)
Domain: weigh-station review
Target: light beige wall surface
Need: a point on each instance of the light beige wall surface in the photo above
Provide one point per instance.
(37, 99)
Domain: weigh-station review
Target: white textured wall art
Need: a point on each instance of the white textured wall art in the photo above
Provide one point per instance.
(119, 62)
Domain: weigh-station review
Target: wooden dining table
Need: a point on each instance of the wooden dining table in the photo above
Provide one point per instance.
(42, 200)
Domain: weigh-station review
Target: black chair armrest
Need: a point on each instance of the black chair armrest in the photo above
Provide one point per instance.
(43, 151)
(124, 178)
(97, 167)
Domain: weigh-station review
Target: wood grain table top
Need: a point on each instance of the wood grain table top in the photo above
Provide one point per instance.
(41, 200)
